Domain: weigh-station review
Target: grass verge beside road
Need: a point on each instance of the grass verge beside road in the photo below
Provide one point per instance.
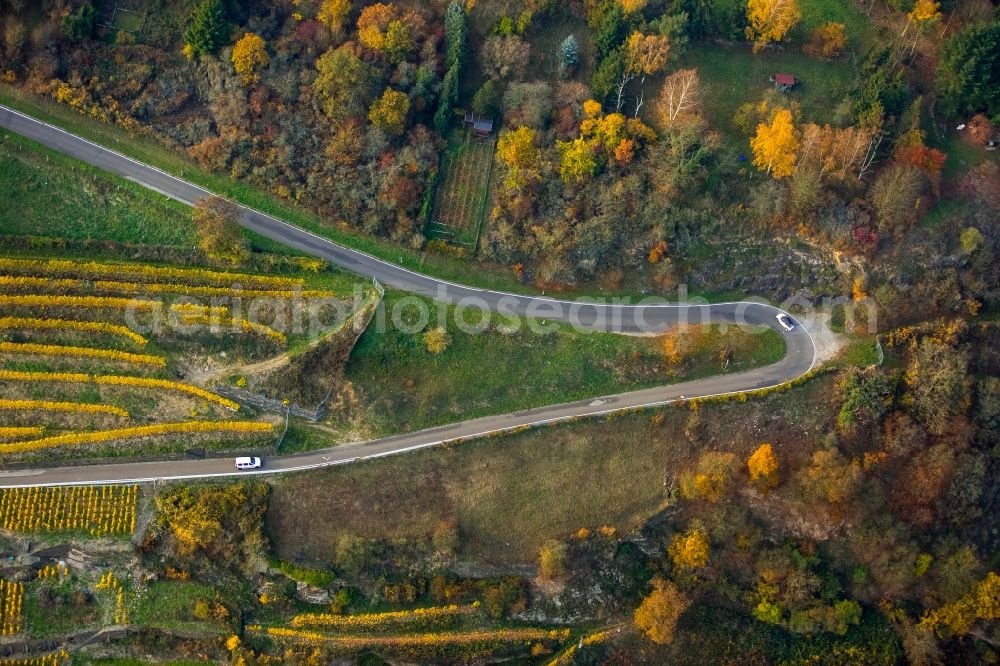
(48, 194)
(405, 387)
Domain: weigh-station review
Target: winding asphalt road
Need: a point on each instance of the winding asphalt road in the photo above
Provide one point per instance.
(609, 316)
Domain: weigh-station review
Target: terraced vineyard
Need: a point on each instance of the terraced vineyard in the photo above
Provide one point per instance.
(439, 632)
(96, 356)
(55, 659)
(96, 510)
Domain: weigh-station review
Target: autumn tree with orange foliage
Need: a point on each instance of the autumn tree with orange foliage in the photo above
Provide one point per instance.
(657, 252)
(910, 149)
(381, 29)
(657, 615)
(673, 343)
(827, 41)
(831, 477)
(632, 6)
(763, 467)
(980, 129)
(835, 152)
(709, 480)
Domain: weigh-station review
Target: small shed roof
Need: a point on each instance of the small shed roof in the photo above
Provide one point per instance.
(483, 124)
(784, 79)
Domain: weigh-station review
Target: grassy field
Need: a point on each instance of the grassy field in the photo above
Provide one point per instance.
(732, 75)
(461, 195)
(857, 26)
(169, 605)
(47, 194)
(405, 387)
(56, 609)
(509, 494)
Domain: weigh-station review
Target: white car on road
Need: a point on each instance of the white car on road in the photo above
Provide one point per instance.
(786, 322)
(248, 463)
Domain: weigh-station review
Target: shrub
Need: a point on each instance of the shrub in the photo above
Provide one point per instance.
(437, 340)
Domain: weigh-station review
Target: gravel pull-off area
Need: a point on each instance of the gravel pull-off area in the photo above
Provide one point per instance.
(828, 343)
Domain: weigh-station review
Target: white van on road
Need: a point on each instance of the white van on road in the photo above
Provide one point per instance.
(248, 463)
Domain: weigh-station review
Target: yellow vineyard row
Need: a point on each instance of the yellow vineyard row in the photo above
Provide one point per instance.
(479, 636)
(92, 302)
(8, 433)
(193, 290)
(81, 352)
(106, 303)
(38, 324)
(235, 290)
(98, 510)
(55, 659)
(190, 313)
(117, 380)
(54, 406)
(110, 582)
(197, 309)
(98, 436)
(94, 270)
(17, 282)
(374, 620)
(11, 607)
(242, 324)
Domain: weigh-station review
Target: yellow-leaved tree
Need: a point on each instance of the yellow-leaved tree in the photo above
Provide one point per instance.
(373, 24)
(763, 467)
(689, 550)
(578, 162)
(709, 479)
(981, 603)
(249, 57)
(518, 153)
(925, 13)
(632, 6)
(826, 41)
(657, 615)
(770, 20)
(776, 145)
(333, 12)
(645, 55)
(389, 111)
